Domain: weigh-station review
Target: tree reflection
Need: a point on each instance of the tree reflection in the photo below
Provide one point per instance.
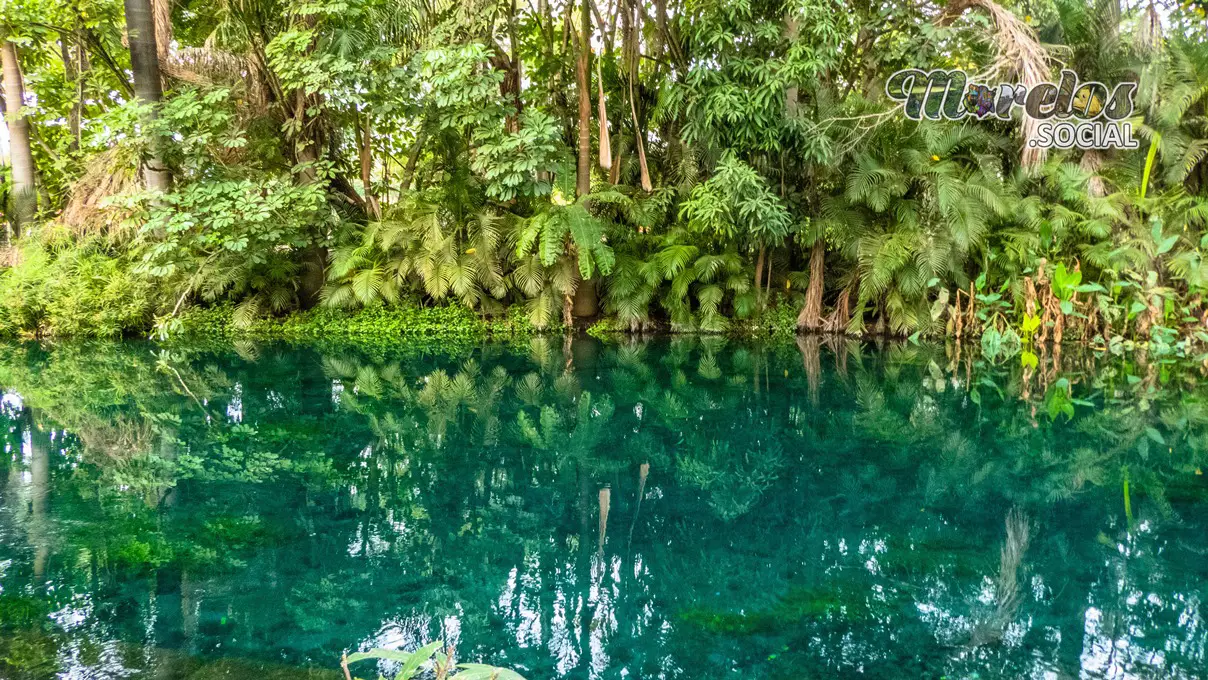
(683, 508)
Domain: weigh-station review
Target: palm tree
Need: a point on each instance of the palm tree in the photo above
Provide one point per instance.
(583, 82)
(917, 205)
(558, 250)
(25, 196)
(448, 254)
(1175, 101)
(144, 62)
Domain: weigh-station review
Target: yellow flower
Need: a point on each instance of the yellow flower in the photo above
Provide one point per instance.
(934, 157)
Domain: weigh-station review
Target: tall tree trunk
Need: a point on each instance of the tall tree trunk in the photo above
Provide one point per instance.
(587, 299)
(583, 169)
(313, 276)
(647, 186)
(515, 78)
(568, 309)
(810, 318)
(144, 63)
(371, 202)
(546, 17)
(25, 194)
(614, 173)
(791, 31)
(72, 75)
(631, 28)
(583, 82)
(759, 268)
(1092, 161)
(663, 43)
(413, 159)
(767, 290)
(305, 149)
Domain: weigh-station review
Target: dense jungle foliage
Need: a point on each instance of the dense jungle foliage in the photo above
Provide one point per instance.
(687, 507)
(696, 165)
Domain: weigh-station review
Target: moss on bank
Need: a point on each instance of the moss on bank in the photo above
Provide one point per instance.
(449, 322)
(412, 322)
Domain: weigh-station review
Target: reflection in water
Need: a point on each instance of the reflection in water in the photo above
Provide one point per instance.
(671, 509)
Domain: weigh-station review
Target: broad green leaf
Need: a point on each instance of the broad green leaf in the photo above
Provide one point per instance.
(1166, 244)
(387, 654)
(418, 658)
(479, 671)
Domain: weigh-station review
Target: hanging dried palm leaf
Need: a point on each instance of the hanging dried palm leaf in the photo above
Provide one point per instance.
(605, 141)
(206, 66)
(1149, 31)
(109, 173)
(1018, 56)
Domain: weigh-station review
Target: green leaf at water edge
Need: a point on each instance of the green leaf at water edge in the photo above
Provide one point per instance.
(418, 658)
(1031, 322)
(940, 304)
(387, 654)
(411, 661)
(1065, 282)
(482, 671)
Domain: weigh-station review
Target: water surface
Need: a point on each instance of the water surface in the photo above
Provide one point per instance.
(667, 509)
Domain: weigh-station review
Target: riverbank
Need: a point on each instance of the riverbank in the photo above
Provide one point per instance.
(449, 326)
(983, 327)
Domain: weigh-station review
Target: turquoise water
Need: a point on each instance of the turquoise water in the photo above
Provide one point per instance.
(664, 509)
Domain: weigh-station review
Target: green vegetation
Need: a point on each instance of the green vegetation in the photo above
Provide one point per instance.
(705, 166)
(380, 324)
